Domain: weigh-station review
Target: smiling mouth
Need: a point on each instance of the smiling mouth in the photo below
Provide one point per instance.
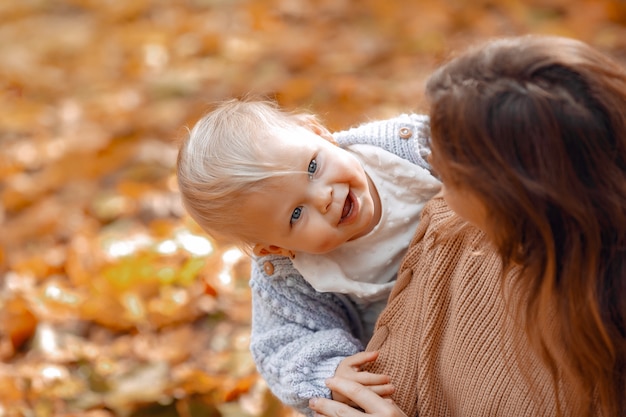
(348, 208)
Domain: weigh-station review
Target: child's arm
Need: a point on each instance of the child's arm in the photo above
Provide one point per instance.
(350, 368)
(407, 136)
(299, 336)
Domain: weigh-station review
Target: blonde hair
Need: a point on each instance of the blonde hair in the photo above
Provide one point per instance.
(222, 160)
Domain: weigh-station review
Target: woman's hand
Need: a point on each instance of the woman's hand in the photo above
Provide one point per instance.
(371, 403)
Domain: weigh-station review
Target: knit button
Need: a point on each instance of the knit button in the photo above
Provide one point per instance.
(405, 133)
(268, 267)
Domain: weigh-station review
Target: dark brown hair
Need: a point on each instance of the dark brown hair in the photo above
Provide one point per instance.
(536, 127)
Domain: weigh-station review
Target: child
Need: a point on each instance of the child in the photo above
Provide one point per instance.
(337, 210)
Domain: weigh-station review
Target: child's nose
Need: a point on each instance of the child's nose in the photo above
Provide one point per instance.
(323, 198)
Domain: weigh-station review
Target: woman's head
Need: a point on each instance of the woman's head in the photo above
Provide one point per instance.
(534, 128)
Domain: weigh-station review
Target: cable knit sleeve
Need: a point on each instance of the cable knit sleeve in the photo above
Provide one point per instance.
(299, 336)
(407, 136)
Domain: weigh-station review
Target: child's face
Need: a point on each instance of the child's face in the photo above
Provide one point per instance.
(325, 203)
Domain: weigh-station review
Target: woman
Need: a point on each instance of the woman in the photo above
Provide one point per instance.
(514, 289)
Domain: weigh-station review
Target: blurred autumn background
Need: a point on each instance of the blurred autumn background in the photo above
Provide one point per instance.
(114, 303)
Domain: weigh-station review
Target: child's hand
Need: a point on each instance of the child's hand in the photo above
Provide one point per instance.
(369, 403)
(350, 368)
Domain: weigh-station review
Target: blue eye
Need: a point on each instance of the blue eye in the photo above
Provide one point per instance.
(312, 167)
(295, 215)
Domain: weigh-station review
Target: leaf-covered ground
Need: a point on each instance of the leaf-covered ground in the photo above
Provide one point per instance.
(112, 302)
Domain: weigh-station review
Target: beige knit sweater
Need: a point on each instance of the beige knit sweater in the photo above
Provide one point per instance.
(446, 338)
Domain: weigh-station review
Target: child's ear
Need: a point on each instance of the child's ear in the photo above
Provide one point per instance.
(261, 249)
(310, 122)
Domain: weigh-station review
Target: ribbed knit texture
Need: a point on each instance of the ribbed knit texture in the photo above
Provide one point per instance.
(446, 338)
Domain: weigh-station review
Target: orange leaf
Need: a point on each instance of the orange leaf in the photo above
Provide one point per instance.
(17, 321)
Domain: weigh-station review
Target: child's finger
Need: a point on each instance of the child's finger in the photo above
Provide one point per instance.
(368, 378)
(360, 358)
(326, 407)
(365, 398)
(383, 390)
